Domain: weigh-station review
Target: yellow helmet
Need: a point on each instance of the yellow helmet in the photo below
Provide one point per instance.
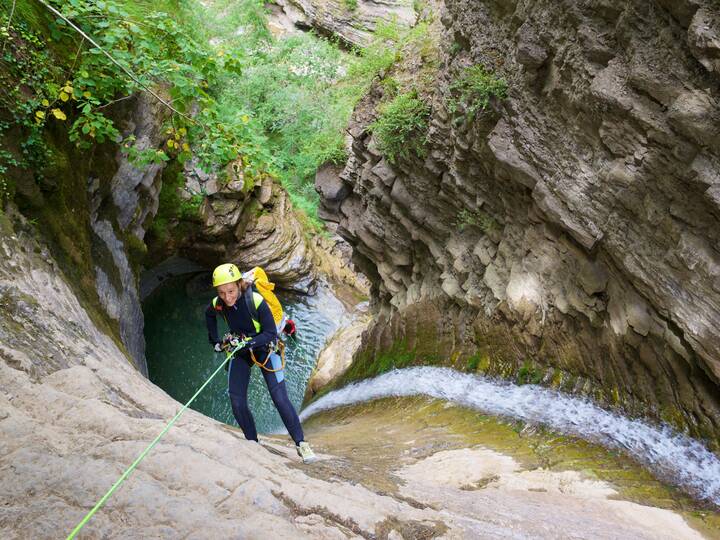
(225, 273)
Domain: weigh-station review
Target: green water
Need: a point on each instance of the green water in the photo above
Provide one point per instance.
(180, 358)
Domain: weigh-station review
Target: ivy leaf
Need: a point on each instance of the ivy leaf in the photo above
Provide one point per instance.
(45, 103)
(64, 96)
(40, 114)
(57, 113)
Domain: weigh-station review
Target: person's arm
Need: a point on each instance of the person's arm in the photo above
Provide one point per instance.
(268, 332)
(211, 323)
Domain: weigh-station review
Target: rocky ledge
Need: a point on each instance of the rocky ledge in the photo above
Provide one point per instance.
(353, 21)
(248, 221)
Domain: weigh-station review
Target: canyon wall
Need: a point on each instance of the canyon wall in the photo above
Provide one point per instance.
(569, 232)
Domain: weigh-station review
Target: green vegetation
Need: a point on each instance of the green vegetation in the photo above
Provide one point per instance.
(455, 48)
(473, 362)
(351, 5)
(484, 221)
(529, 373)
(282, 104)
(296, 94)
(474, 89)
(287, 104)
(401, 126)
(5, 193)
(173, 207)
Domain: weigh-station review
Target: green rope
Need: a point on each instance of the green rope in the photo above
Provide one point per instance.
(150, 447)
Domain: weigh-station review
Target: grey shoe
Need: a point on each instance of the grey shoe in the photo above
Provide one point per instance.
(305, 452)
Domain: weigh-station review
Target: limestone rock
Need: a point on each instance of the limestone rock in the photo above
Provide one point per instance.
(275, 242)
(134, 191)
(247, 222)
(133, 195)
(353, 23)
(704, 37)
(530, 51)
(336, 357)
(74, 414)
(581, 210)
(331, 188)
(697, 115)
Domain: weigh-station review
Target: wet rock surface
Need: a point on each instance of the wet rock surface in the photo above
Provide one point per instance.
(337, 355)
(74, 413)
(578, 216)
(492, 479)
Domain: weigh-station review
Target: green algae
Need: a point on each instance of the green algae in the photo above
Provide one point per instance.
(432, 425)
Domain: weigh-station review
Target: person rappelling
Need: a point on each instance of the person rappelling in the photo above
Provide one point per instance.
(254, 317)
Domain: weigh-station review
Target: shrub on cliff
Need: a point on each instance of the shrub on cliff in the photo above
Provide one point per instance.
(474, 89)
(401, 127)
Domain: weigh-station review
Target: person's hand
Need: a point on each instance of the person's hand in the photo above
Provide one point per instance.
(290, 329)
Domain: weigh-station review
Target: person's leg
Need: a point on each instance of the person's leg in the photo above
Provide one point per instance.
(275, 382)
(238, 382)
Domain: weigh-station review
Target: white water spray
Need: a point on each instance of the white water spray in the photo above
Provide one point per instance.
(673, 456)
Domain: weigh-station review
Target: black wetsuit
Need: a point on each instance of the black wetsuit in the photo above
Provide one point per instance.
(240, 322)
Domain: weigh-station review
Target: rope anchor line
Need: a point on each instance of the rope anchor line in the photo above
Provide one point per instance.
(144, 453)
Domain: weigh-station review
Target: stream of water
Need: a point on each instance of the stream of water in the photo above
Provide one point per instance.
(672, 456)
(180, 358)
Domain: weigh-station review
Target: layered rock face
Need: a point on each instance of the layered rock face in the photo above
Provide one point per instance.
(353, 21)
(575, 223)
(248, 222)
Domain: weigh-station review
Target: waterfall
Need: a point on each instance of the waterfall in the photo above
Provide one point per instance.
(674, 457)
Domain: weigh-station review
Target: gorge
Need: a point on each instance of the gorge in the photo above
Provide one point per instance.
(508, 209)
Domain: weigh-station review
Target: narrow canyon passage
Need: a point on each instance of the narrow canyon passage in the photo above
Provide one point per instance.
(496, 224)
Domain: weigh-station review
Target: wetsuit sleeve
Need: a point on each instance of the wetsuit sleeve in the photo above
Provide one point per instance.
(211, 322)
(268, 332)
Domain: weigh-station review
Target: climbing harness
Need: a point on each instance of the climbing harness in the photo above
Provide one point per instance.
(277, 346)
(280, 347)
(142, 455)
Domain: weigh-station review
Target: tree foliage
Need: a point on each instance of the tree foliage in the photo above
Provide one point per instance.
(282, 104)
(401, 126)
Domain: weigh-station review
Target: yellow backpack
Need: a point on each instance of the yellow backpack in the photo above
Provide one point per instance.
(265, 287)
